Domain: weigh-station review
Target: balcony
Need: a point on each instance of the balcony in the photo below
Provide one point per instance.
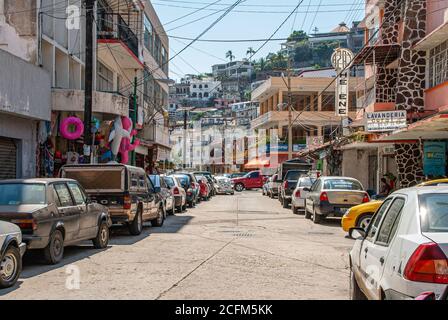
(157, 134)
(70, 100)
(379, 99)
(117, 40)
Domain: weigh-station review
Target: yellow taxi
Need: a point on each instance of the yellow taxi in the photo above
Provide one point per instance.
(360, 215)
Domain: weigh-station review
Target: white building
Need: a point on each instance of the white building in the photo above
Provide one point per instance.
(204, 89)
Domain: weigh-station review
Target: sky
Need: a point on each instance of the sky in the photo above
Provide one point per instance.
(263, 18)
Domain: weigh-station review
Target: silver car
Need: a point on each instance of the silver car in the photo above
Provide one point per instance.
(224, 185)
(12, 250)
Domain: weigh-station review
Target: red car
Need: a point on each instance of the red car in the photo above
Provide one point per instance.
(204, 190)
(252, 180)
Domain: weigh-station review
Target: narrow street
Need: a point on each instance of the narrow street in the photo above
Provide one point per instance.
(233, 247)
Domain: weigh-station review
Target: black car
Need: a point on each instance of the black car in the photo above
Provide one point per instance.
(52, 214)
(125, 190)
(288, 185)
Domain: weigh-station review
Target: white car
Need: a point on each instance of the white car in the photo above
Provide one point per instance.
(299, 194)
(404, 250)
(11, 251)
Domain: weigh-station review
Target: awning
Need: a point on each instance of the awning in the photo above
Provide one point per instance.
(257, 164)
(432, 128)
(383, 54)
(433, 39)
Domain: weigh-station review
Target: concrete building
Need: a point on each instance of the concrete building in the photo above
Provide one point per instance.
(128, 50)
(204, 89)
(244, 113)
(25, 111)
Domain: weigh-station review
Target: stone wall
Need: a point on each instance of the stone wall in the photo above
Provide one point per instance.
(409, 158)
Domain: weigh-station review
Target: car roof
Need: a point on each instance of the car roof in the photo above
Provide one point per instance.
(36, 180)
(336, 177)
(423, 190)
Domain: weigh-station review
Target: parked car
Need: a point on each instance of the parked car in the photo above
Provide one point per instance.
(264, 189)
(273, 185)
(52, 214)
(404, 250)
(190, 187)
(125, 190)
(288, 185)
(333, 196)
(361, 215)
(11, 252)
(235, 175)
(299, 194)
(204, 188)
(178, 192)
(208, 180)
(224, 185)
(164, 192)
(252, 180)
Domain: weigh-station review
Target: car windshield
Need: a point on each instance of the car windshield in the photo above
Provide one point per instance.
(169, 181)
(434, 212)
(293, 175)
(184, 180)
(14, 194)
(342, 184)
(306, 182)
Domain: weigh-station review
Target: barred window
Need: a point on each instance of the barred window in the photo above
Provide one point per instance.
(105, 78)
(438, 64)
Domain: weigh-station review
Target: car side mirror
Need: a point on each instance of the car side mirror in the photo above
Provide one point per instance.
(88, 200)
(357, 233)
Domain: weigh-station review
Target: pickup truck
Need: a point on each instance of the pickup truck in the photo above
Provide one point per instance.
(252, 180)
(288, 185)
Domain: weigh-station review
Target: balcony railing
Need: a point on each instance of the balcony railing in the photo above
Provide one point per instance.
(112, 26)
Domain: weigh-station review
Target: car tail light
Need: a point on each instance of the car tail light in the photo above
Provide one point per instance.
(285, 184)
(323, 196)
(127, 202)
(427, 264)
(297, 194)
(27, 224)
(176, 190)
(366, 198)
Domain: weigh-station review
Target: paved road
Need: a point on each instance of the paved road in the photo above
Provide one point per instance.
(233, 247)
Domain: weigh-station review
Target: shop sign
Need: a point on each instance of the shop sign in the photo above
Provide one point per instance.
(298, 147)
(341, 60)
(386, 121)
(434, 158)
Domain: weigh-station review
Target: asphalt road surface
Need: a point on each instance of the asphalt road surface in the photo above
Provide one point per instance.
(244, 246)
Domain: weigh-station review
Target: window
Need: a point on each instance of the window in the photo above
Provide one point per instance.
(342, 184)
(306, 182)
(78, 195)
(21, 193)
(390, 222)
(65, 199)
(254, 175)
(438, 64)
(373, 227)
(141, 181)
(148, 36)
(105, 78)
(434, 212)
(134, 180)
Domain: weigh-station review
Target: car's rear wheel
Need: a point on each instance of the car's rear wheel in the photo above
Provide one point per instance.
(364, 221)
(136, 227)
(355, 292)
(316, 217)
(239, 187)
(158, 222)
(10, 267)
(102, 239)
(54, 251)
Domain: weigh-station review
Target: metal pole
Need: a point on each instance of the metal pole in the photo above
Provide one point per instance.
(289, 111)
(90, 5)
(134, 118)
(184, 151)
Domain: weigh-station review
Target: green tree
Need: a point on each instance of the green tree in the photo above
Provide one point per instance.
(229, 55)
(298, 36)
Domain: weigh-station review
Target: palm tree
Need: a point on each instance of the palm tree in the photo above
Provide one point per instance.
(250, 51)
(229, 55)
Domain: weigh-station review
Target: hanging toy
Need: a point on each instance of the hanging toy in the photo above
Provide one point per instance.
(120, 138)
(65, 128)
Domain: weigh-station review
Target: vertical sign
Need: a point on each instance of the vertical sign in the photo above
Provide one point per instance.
(342, 93)
(342, 60)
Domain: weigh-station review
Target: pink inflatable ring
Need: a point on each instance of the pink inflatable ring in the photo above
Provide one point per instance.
(65, 128)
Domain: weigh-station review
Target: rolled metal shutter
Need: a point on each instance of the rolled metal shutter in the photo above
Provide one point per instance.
(8, 159)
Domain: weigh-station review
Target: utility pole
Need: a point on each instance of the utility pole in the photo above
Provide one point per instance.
(184, 151)
(289, 110)
(90, 15)
(134, 117)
